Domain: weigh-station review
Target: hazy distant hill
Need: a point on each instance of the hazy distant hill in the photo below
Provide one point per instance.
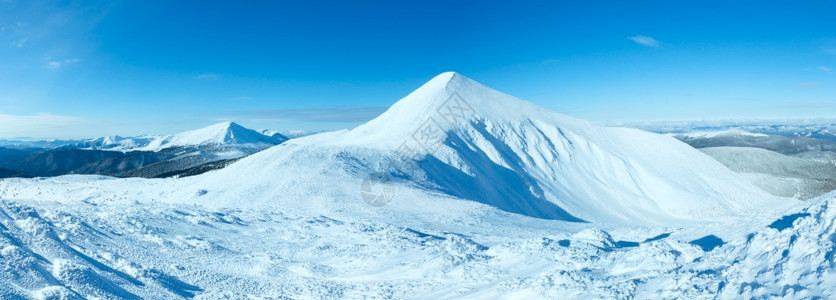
(146, 156)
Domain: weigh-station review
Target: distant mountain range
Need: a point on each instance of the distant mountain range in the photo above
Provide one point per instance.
(149, 156)
(823, 129)
(785, 160)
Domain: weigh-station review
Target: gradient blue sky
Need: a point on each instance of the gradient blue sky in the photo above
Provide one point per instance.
(92, 68)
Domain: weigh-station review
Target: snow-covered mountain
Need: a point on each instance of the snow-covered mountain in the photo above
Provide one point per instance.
(822, 129)
(476, 178)
(798, 176)
(224, 134)
(783, 162)
(291, 134)
(458, 137)
(29, 143)
(145, 156)
(739, 138)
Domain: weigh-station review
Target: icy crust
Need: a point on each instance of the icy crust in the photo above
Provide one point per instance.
(113, 245)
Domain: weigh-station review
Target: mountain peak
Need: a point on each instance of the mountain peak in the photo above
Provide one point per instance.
(443, 79)
(227, 125)
(447, 82)
(449, 101)
(215, 132)
(453, 90)
(223, 133)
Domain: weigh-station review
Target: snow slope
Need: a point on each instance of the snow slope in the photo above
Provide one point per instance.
(510, 154)
(664, 220)
(83, 236)
(783, 175)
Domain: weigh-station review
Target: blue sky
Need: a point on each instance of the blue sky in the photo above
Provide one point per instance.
(92, 68)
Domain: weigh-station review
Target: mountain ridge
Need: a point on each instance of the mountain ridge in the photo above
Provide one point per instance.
(143, 156)
(223, 133)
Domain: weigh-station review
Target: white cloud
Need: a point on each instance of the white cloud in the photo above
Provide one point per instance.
(645, 41)
(208, 76)
(549, 61)
(824, 69)
(242, 98)
(40, 125)
(21, 42)
(57, 64)
(808, 84)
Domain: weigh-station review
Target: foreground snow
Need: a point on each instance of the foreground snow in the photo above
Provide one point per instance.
(92, 239)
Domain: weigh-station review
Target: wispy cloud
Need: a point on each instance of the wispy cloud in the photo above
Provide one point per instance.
(549, 61)
(38, 125)
(21, 43)
(242, 98)
(324, 114)
(823, 69)
(15, 33)
(57, 64)
(208, 76)
(808, 84)
(645, 41)
(810, 104)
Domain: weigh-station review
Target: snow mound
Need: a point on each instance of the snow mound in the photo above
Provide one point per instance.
(458, 137)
